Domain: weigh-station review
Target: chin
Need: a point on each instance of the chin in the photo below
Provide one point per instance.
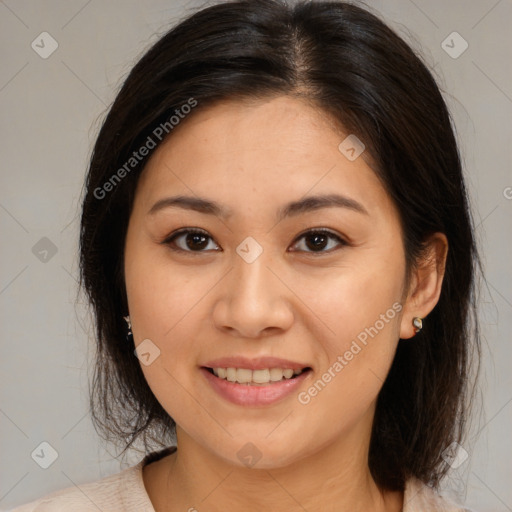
(260, 454)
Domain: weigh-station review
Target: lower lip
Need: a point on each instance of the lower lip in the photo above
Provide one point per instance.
(243, 394)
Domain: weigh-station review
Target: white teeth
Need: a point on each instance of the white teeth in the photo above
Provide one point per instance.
(288, 374)
(261, 376)
(255, 377)
(243, 375)
(276, 374)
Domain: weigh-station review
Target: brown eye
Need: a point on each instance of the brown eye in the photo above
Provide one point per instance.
(195, 240)
(317, 240)
(188, 240)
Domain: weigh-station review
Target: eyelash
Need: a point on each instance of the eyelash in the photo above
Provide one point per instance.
(168, 240)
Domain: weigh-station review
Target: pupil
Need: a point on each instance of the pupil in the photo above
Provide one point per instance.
(317, 244)
(195, 237)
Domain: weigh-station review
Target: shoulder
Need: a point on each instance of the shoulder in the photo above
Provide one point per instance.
(419, 497)
(123, 491)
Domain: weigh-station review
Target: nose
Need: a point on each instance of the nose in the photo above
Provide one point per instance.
(253, 301)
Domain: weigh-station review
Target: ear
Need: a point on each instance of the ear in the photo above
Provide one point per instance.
(425, 284)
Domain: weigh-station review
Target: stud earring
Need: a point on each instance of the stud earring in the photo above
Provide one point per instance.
(418, 324)
(129, 335)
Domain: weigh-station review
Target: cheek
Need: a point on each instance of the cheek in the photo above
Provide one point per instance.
(360, 312)
(357, 361)
(347, 301)
(162, 301)
(160, 295)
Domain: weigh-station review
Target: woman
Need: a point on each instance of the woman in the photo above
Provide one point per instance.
(277, 245)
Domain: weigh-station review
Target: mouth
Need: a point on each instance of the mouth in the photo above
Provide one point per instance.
(269, 381)
(260, 377)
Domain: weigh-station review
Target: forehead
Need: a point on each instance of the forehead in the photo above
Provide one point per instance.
(241, 151)
(264, 126)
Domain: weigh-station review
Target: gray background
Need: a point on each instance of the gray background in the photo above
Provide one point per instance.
(51, 109)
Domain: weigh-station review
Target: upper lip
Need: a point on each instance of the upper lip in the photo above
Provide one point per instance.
(257, 363)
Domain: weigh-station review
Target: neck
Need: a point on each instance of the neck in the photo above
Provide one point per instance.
(335, 478)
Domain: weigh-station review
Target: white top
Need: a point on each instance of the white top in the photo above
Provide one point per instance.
(125, 492)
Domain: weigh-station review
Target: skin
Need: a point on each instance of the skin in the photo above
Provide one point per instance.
(292, 302)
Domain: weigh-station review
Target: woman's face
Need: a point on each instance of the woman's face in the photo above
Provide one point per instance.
(259, 289)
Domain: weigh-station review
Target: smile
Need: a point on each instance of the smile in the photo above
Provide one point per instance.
(255, 377)
(261, 387)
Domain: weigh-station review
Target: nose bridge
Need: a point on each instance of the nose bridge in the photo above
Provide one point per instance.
(252, 279)
(253, 298)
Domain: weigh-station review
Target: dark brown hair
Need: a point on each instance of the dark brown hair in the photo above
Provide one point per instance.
(359, 72)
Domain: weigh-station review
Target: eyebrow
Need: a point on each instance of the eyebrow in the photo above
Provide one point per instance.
(293, 208)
